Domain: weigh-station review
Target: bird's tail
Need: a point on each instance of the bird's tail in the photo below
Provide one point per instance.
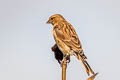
(92, 77)
(85, 64)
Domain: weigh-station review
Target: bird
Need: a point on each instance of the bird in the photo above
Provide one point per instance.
(67, 40)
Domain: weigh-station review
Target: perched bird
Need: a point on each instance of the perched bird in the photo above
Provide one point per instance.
(67, 40)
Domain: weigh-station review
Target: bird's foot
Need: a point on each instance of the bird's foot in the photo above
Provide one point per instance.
(64, 61)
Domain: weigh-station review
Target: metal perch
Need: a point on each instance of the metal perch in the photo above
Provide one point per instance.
(64, 64)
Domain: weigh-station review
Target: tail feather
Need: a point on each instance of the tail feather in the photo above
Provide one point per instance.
(89, 67)
(86, 65)
(92, 77)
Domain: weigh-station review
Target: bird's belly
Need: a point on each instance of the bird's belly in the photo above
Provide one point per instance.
(64, 48)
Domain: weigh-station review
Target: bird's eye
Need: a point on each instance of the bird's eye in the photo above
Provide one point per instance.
(51, 18)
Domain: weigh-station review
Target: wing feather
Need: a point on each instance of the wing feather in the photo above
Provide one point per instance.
(68, 35)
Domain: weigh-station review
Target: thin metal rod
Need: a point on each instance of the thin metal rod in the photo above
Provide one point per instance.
(64, 64)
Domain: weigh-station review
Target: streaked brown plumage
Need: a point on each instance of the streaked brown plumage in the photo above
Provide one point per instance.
(67, 40)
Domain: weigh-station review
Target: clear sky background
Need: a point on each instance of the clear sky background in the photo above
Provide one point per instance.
(26, 39)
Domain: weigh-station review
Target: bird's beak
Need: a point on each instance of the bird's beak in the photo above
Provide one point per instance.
(48, 22)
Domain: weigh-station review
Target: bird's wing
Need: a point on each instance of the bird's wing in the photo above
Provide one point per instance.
(67, 34)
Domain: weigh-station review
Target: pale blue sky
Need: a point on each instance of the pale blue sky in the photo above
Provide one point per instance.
(26, 39)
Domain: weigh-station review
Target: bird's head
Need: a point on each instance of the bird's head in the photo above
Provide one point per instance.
(55, 19)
